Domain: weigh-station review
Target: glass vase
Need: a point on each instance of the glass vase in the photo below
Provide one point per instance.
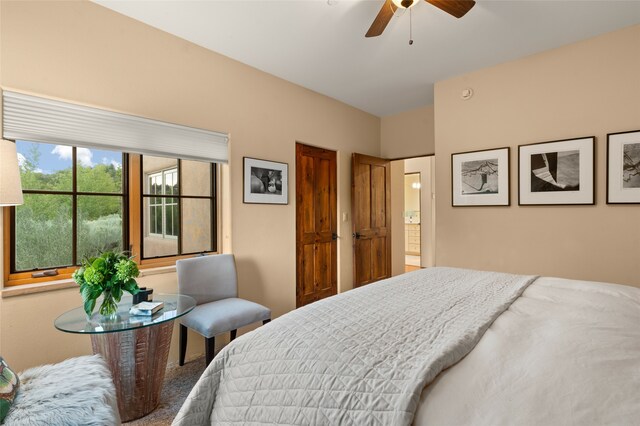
(109, 306)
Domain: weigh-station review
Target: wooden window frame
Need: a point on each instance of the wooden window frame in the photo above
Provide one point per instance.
(133, 227)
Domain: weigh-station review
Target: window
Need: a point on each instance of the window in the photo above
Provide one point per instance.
(163, 212)
(178, 204)
(74, 205)
(81, 201)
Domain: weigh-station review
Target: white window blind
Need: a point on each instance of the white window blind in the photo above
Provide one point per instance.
(31, 118)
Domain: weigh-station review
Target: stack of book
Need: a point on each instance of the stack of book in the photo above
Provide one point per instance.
(146, 308)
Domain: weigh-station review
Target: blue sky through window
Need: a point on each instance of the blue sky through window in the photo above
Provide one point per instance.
(53, 158)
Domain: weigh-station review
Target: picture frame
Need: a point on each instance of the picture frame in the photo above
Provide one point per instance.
(480, 178)
(623, 167)
(558, 172)
(265, 182)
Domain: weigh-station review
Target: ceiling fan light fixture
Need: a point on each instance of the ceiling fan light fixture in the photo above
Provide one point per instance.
(457, 8)
(405, 4)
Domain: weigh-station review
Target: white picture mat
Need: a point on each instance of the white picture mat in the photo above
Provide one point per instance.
(250, 197)
(616, 192)
(585, 146)
(499, 199)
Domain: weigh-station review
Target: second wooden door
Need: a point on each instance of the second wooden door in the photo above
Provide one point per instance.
(371, 207)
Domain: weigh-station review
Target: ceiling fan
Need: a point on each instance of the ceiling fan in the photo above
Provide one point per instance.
(457, 8)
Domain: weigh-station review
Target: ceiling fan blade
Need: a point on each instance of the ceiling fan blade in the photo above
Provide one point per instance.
(383, 18)
(457, 8)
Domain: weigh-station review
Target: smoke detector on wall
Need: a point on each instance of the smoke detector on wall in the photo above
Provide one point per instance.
(467, 94)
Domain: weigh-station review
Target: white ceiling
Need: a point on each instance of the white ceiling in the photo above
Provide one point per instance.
(322, 47)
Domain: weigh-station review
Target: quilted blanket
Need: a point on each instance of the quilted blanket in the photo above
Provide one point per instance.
(361, 357)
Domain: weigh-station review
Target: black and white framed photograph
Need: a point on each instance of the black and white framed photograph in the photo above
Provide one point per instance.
(265, 182)
(557, 172)
(480, 178)
(623, 168)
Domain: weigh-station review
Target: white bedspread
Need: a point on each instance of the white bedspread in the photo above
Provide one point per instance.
(362, 357)
(565, 353)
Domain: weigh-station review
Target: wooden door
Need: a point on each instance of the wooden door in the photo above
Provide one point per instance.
(316, 224)
(371, 207)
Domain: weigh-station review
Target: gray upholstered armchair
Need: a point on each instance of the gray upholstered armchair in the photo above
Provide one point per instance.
(213, 282)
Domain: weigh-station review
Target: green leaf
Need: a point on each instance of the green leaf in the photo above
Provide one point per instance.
(86, 291)
(116, 291)
(95, 292)
(131, 286)
(89, 304)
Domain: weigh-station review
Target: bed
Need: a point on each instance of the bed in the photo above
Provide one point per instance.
(436, 346)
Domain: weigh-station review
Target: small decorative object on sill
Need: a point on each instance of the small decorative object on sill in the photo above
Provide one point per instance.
(146, 308)
(107, 275)
(47, 273)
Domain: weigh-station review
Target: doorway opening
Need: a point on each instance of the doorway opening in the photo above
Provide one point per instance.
(413, 214)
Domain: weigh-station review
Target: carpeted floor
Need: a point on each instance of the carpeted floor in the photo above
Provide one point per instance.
(178, 382)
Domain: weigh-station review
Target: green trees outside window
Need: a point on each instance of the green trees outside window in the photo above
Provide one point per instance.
(74, 205)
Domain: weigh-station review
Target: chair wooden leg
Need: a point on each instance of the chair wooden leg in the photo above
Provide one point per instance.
(233, 334)
(210, 348)
(266, 321)
(183, 343)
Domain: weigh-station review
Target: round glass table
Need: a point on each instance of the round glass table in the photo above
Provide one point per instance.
(136, 348)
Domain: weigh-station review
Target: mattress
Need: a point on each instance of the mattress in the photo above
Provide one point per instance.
(565, 352)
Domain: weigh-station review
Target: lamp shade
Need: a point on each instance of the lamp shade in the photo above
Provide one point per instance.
(10, 187)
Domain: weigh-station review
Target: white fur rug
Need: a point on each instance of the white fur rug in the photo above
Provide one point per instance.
(75, 392)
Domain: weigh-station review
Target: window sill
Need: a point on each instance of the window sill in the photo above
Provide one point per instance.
(22, 290)
(146, 272)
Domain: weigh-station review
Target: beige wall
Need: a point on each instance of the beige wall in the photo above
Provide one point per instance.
(82, 52)
(408, 134)
(587, 88)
